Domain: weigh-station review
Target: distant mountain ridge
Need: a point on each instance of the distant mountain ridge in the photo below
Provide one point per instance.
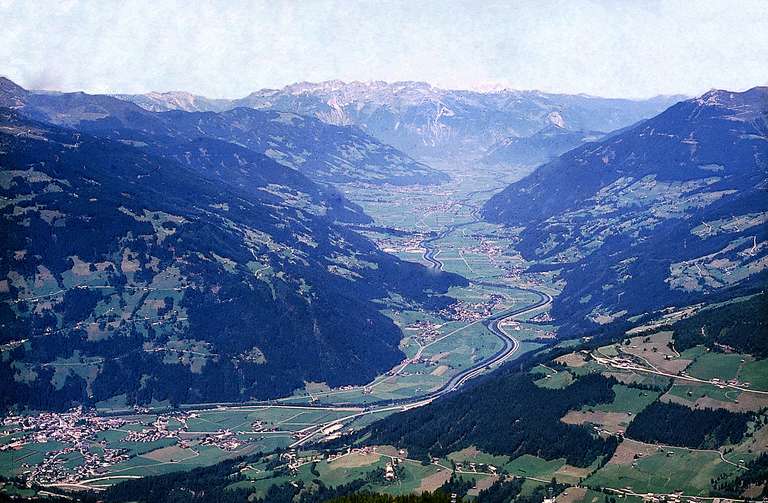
(324, 152)
(423, 120)
(176, 100)
(666, 211)
(541, 146)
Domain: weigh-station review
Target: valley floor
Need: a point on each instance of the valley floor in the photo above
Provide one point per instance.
(501, 315)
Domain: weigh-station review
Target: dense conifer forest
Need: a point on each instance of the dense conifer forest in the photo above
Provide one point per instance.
(531, 421)
(674, 424)
(740, 326)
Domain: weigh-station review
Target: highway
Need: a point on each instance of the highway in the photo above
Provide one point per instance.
(510, 345)
(430, 252)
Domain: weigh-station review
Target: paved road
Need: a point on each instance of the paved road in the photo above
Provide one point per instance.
(611, 362)
(430, 252)
(509, 344)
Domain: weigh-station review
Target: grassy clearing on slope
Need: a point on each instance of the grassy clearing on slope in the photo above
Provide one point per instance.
(675, 469)
(628, 399)
(716, 366)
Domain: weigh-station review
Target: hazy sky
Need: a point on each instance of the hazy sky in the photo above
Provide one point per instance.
(230, 48)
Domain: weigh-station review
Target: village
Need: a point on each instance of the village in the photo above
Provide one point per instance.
(77, 431)
(469, 312)
(82, 452)
(392, 469)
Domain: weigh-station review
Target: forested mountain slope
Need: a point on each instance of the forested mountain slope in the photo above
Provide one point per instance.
(181, 272)
(665, 212)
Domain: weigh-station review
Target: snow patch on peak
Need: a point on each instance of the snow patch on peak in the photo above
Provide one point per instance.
(715, 97)
(175, 99)
(556, 119)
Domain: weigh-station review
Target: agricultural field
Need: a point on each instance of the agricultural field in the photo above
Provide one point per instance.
(615, 416)
(645, 468)
(438, 345)
(359, 464)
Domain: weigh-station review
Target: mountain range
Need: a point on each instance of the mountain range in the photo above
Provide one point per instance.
(144, 262)
(425, 121)
(326, 153)
(169, 249)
